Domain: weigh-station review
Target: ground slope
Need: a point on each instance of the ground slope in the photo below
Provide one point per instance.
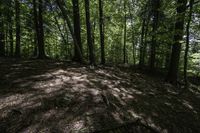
(48, 96)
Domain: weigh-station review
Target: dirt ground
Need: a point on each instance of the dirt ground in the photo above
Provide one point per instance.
(49, 96)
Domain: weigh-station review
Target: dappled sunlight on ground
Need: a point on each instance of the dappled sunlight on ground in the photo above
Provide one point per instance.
(47, 96)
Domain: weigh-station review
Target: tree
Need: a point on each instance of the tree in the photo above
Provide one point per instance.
(2, 41)
(141, 61)
(145, 22)
(101, 29)
(18, 30)
(10, 27)
(155, 11)
(178, 38)
(40, 37)
(187, 41)
(77, 29)
(89, 35)
(125, 29)
(65, 13)
(38, 21)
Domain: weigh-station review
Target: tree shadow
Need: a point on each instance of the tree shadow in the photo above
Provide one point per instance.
(49, 96)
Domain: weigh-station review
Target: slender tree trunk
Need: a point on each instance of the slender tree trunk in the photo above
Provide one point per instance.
(11, 39)
(93, 33)
(132, 37)
(101, 29)
(77, 29)
(167, 56)
(18, 30)
(6, 41)
(35, 50)
(187, 43)
(178, 37)
(89, 35)
(65, 13)
(145, 39)
(35, 14)
(145, 23)
(10, 28)
(156, 6)
(2, 41)
(141, 60)
(124, 49)
(40, 37)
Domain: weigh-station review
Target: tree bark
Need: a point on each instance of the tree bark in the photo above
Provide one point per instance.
(2, 41)
(35, 14)
(132, 36)
(155, 6)
(101, 28)
(125, 27)
(65, 13)
(187, 43)
(178, 37)
(10, 28)
(89, 35)
(145, 23)
(77, 29)
(18, 29)
(141, 60)
(40, 37)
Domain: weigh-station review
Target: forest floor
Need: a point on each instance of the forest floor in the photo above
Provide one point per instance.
(49, 96)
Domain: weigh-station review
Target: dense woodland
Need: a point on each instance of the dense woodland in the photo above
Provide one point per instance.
(134, 42)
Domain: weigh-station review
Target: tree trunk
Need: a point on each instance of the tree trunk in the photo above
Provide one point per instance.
(101, 28)
(10, 28)
(141, 60)
(40, 37)
(89, 35)
(35, 14)
(11, 39)
(2, 41)
(77, 29)
(156, 6)
(167, 56)
(18, 31)
(124, 49)
(187, 42)
(143, 43)
(132, 36)
(178, 37)
(65, 13)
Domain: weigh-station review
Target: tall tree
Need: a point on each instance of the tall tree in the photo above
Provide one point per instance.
(178, 38)
(89, 34)
(10, 27)
(38, 21)
(101, 29)
(125, 28)
(132, 36)
(155, 11)
(65, 14)
(187, 41)
(77, 29)
(141, 60)
(145, 22)
(18, 28)
(2, 39)
(35, 14)
(40, 37)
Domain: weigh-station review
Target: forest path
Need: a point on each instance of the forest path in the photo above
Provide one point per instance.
(49, 96)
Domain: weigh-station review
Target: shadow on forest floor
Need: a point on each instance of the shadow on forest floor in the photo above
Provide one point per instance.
(48, 96)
